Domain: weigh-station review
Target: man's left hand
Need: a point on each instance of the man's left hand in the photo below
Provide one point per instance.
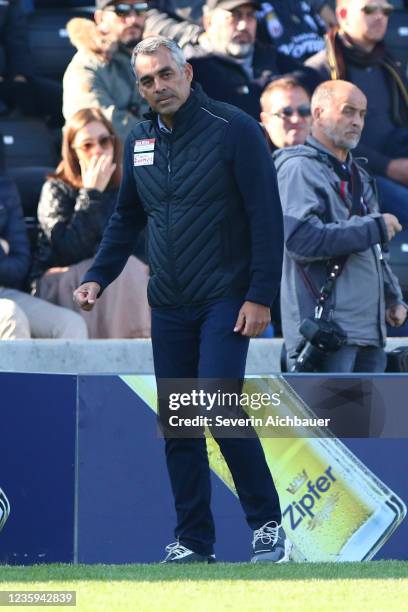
(396, 315)
(253, 319)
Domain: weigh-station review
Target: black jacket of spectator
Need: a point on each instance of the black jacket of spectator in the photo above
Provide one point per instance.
(293, 27)
(227, 80)
(292, 24)
(14, 49)
(14, 265)
(378, 75)
(71, 224)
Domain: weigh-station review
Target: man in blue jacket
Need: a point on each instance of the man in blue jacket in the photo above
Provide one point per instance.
(215, 249)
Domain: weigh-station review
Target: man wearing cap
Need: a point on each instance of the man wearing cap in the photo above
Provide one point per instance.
(230, 65)
(100, 74)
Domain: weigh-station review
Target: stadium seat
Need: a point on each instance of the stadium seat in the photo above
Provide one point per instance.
(29, 183)
(51, 49)
(40, 4)
(27, 142)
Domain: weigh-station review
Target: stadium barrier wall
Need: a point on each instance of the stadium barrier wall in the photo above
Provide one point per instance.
(83, 467)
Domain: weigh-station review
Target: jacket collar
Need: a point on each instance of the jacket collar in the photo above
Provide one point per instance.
(342, 169)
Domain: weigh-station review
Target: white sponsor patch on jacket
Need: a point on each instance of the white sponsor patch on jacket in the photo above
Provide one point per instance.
(143, 159)
(142, 146)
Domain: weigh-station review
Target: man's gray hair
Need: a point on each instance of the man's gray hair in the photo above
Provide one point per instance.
(151, 44)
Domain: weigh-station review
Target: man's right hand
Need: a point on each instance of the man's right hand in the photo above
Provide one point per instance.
(392, 224)
(86, 295)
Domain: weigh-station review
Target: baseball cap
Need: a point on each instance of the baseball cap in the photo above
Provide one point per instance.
(229, 5)
(101, 4)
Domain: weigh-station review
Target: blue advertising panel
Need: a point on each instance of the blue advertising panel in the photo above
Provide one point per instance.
(37, 467)
(82, 464)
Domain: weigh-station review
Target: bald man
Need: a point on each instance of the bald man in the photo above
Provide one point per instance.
(355, 51)
(331, 219)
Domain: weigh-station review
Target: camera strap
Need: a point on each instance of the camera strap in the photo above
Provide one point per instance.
(350, 176)
(328, 286)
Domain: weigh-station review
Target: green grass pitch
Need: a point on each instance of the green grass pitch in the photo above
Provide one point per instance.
(371, 586)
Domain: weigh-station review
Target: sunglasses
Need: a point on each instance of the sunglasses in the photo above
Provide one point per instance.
(285, 113)
(104, 141)
(123, 10)
(370, 9)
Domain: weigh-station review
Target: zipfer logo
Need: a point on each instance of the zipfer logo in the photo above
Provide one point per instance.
(296, 511)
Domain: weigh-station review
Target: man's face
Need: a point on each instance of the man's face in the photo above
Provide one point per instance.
(161, 81)
(122, 25)
(286, 116)
(341, 120)
(365, 21)
(232, 32)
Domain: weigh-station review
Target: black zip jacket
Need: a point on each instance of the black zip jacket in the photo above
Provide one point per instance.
(208, 193)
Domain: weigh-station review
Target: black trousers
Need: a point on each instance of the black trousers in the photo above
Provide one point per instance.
(199, 342)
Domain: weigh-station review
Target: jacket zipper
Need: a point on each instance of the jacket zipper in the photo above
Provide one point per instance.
(172, 258)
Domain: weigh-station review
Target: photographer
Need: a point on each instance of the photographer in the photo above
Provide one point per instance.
(337, 289)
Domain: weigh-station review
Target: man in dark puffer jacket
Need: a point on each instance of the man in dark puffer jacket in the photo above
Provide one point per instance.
(215, 248)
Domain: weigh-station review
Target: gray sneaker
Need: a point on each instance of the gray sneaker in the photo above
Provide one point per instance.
(177, 553)
(270, 544)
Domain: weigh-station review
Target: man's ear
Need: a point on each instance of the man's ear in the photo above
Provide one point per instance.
(189, 72)
(264, 118)
(317, 113)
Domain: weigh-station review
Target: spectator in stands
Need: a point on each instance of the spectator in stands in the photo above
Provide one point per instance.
(293, 26)
(19, 86)
(74, 206)
(21, 314)
(356, 52)
(228, 63)
(332, 229)
(290, 23)
(286, 119)
(286, 113)
(100, 74)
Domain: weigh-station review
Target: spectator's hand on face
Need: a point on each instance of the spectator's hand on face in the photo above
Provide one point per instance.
(396, 315)
(397, 170)
(86, 295)
(392, 224)
(97, 172)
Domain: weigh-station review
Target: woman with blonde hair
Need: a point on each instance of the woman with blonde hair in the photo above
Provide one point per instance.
(75, 204)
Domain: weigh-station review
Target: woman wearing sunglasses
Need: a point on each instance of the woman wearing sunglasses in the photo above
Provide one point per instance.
(75, 205)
